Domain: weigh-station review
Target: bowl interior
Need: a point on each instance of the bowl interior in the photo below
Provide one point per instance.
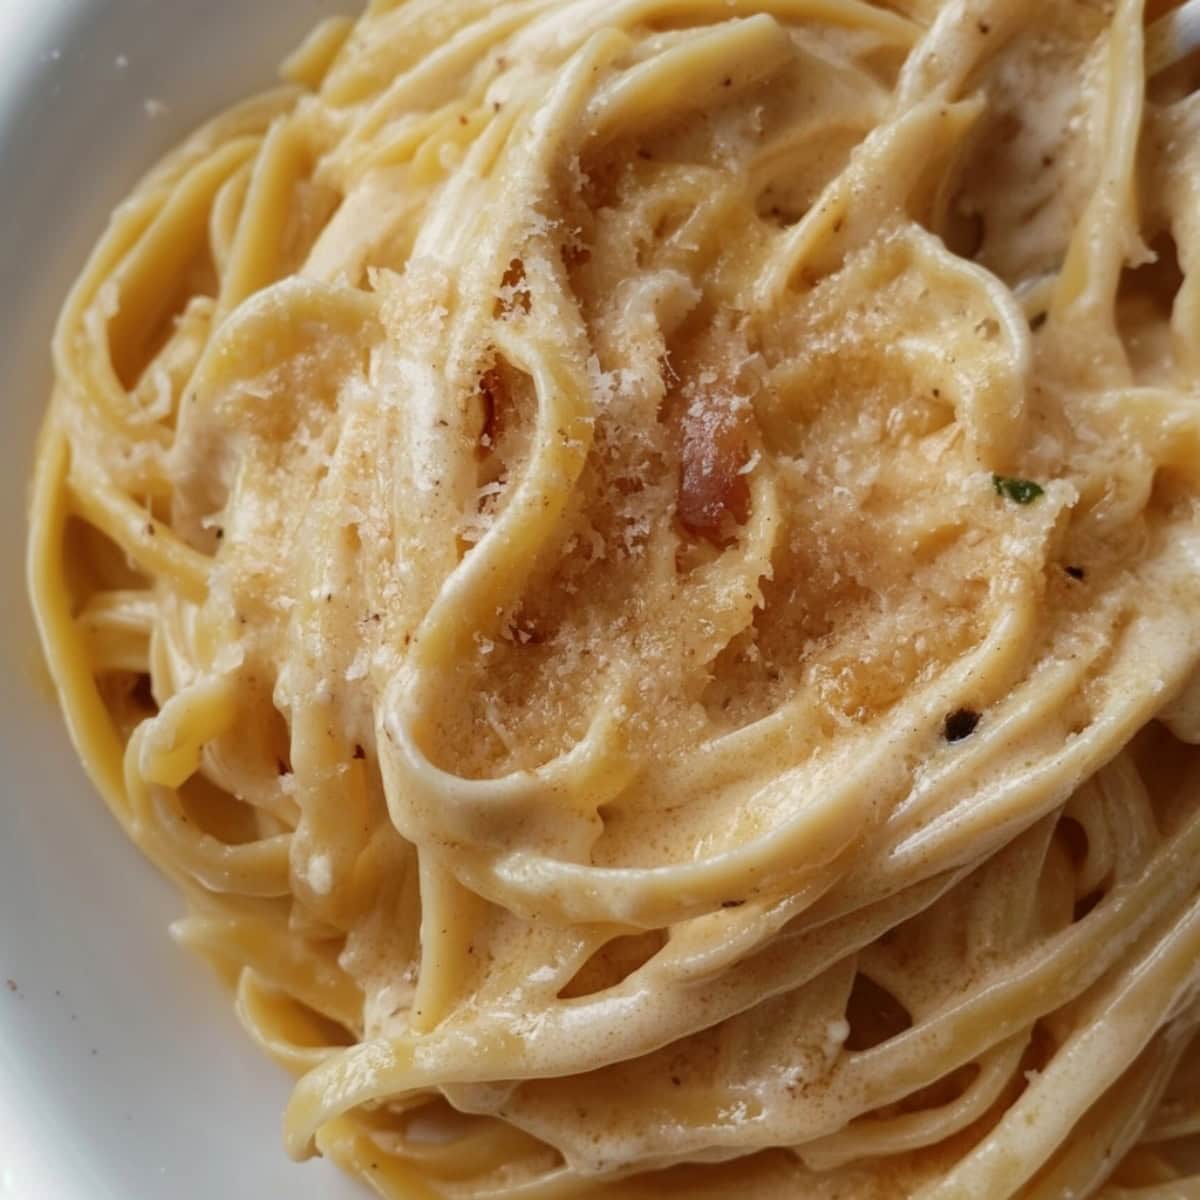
(123, 1073)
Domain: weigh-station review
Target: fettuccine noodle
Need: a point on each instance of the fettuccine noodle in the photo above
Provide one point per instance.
(638, 562)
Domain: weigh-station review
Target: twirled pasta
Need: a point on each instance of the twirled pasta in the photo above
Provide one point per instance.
(638, 562)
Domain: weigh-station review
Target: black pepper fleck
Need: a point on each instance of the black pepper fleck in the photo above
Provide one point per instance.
(960, 724)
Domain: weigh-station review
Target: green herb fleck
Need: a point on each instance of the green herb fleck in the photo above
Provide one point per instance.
(1019, 491)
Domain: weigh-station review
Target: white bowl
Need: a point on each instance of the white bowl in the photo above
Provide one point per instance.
(123, 1074)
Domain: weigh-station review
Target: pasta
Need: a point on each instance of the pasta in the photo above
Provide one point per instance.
(638, 563)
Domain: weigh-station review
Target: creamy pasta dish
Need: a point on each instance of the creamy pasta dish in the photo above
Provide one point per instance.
(638, 564)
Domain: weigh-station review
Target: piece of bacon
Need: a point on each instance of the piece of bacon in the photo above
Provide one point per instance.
(514, 290)
(713, 491)
(494, 397)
